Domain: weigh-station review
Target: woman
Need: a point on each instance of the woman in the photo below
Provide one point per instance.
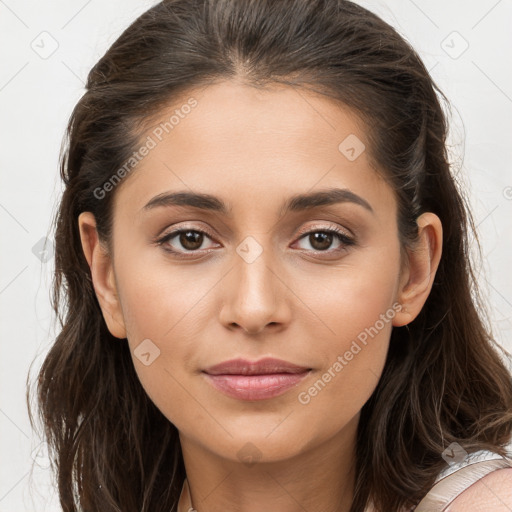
(263, 262)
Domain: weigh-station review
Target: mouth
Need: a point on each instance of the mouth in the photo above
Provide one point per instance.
(261, 380)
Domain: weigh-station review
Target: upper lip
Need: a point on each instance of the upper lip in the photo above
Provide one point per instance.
(265, 366)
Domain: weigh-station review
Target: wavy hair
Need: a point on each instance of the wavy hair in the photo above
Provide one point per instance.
(444, 379)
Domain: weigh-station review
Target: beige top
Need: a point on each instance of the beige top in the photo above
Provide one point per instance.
(449, 484)
(457, 477)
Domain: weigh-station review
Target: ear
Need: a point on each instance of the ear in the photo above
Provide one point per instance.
(418, 275)
(102, 274)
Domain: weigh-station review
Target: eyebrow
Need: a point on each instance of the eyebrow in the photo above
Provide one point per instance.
(296, 203)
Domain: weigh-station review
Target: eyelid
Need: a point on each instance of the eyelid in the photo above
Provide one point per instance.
(325, 227)
(177, 229)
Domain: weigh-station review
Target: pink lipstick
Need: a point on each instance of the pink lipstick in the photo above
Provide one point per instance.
(259, 380)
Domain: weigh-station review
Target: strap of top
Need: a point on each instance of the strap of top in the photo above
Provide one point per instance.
(457, 477)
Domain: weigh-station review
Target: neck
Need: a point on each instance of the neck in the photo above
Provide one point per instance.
(319, 479)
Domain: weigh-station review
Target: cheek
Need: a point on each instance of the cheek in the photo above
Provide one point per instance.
(160, 298)
(352, 363)
(165, 303)
(355, 307)
(350, 297)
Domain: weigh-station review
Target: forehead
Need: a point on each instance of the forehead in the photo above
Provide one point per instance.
(241, 120)
(244, 142)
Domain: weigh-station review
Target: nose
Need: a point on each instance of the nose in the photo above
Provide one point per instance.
(255, 296)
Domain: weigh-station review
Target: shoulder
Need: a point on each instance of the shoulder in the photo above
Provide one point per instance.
(492, 492)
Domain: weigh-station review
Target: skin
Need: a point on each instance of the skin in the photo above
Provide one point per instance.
(492, 492)
(254, 149)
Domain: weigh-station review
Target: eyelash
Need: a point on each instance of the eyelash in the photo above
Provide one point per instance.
(341, 235)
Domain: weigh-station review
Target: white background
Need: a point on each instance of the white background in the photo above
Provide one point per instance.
(36, 98)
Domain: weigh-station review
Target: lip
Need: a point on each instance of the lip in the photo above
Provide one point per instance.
(265, 366)
(259, 380)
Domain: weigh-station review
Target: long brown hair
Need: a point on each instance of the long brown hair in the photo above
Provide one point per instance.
(443, 381)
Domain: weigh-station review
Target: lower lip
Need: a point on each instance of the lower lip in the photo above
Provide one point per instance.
(255, 387)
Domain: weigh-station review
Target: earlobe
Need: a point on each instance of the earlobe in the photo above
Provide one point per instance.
(102, 275)
(417, 280)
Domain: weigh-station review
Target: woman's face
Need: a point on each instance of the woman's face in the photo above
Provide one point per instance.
(267, 277)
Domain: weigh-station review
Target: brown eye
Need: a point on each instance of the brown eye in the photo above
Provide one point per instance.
(320, 240)
(184, 241)
(191, 240)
